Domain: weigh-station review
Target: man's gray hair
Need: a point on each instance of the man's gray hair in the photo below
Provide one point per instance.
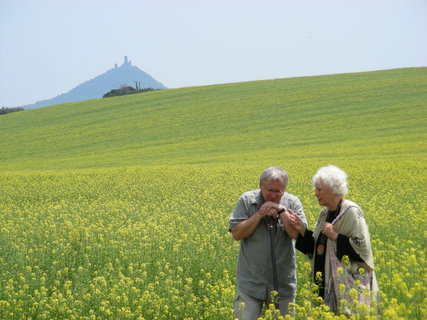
(274, 174)
(333, 178)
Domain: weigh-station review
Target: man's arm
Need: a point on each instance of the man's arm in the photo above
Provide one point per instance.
(245, 228)
(286, 222)
(285, 217)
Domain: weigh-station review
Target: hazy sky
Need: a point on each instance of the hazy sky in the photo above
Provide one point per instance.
(47, 47)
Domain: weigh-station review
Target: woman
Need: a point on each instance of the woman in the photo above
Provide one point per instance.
(339, 247)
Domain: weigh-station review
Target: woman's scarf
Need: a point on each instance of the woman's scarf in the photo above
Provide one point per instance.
(351, 223)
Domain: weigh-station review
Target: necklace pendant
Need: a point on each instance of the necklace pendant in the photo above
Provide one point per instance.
(320, 249)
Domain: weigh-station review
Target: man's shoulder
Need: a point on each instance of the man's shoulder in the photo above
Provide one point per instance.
(251, 195)
(290, 197)
(249, 198)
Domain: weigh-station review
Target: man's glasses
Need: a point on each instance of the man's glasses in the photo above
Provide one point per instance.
(275, 191)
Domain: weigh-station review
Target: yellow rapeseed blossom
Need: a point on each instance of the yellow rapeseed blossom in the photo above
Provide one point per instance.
(140, 243)
(345, 260)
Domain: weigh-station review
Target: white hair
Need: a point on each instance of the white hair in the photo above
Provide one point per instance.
(333, 178)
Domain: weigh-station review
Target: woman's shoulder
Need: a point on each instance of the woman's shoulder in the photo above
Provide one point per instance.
(352, 209)
(323, 213)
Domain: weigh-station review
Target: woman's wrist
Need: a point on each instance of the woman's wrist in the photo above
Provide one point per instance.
(302, 231)
(334, 236)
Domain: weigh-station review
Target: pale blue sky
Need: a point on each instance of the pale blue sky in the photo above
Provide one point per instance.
(47, 47)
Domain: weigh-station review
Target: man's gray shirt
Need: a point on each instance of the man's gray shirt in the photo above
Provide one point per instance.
(254, 267)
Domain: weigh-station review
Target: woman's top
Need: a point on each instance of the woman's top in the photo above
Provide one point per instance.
(353, 240)
(306, 244)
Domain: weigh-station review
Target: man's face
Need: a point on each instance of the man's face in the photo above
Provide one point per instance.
(272, 190)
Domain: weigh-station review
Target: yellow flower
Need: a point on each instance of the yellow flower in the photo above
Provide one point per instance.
(274, 293)
(353, 294)
(345, 260)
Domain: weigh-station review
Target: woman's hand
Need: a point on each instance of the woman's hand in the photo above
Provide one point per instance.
(329, 231)
(296, 222)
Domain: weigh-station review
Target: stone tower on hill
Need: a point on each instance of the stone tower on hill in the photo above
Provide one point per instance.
(124, 75)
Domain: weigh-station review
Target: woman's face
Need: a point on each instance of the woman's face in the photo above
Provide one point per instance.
(324, 195)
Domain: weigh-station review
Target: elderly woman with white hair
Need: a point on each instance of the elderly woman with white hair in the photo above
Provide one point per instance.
(339, 247)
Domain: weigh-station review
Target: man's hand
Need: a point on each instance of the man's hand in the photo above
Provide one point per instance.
(269, 209)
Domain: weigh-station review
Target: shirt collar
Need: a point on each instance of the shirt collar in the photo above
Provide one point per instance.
(257, 198)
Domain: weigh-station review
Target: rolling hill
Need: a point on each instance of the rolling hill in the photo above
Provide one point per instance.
(371, 115)
(119, 208)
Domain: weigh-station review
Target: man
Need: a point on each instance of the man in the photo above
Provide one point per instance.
(267, 256)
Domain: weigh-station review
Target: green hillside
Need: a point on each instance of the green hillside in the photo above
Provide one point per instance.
(118, 208)
(372, 115)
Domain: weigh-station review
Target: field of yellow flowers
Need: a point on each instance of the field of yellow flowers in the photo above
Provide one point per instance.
(152, 242)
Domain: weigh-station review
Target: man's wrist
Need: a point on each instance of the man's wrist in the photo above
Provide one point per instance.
(280, 211)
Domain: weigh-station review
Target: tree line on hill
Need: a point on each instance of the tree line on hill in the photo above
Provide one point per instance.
(124, 90)
(4, 110)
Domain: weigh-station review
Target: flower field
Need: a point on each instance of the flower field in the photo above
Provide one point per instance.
(152, 242)
(118, 208)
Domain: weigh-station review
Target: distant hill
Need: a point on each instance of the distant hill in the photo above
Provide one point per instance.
(126, 74)
(373, 115)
